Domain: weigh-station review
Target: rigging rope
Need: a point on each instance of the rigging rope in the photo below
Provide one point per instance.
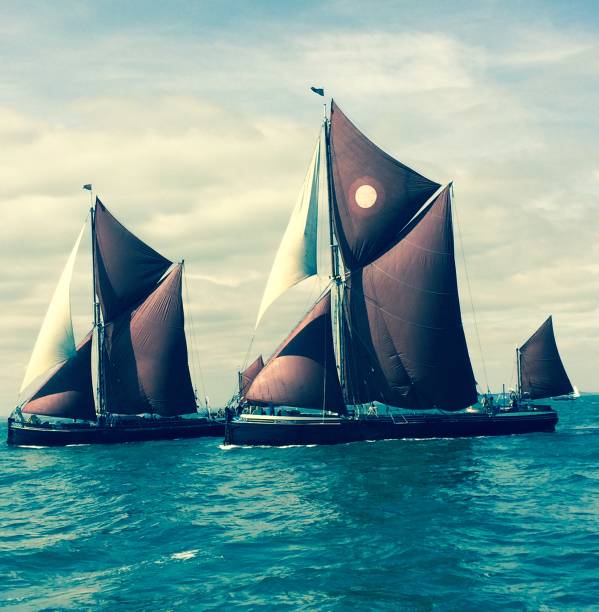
(195, 359)
(480, 347)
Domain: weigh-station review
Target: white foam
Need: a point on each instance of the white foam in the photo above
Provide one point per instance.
(184, 555)
(227, 447)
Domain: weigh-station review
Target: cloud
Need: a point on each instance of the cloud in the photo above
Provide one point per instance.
(200, 143)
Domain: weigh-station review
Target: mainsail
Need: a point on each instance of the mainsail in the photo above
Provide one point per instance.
(146, 367)
(248, 375)
(399, 336)
(405, 343)
(296, 258)
(142, 349)
(374, 195)
(127, 269)
(542, 373)
(55, 342)
(68, 392)
(302, 372)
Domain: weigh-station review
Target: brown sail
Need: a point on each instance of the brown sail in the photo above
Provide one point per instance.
(127, 269)
(542, 373)
(146, 368)
(405, 344)
(302, 372)
(68, 393)
(248, 375)
(375, 196)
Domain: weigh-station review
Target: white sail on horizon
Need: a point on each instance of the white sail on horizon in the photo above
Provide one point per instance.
(296, 258)
(55, 342)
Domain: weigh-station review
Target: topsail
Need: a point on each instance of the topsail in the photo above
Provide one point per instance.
(55, 342)
(374, 195)
(296, 258)
(127, 269)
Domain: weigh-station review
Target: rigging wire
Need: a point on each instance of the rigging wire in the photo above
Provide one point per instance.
(195, 359)
(324, 377)
(512, 376)
(480, 347)
(246, 358)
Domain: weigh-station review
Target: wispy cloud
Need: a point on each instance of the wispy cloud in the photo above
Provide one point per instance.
(198, 141)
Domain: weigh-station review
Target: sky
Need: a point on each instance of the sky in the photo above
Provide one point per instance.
(195, 124)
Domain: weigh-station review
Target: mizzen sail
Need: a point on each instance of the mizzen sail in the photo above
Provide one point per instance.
(405, 344)
(55, 342)
(375, 196)
(296, 258)
(542, 373)
(302, 372)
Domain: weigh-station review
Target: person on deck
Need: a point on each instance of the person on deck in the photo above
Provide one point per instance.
(513, 400)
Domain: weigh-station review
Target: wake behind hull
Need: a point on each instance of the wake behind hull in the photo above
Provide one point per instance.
(283, 432)
(40, 435)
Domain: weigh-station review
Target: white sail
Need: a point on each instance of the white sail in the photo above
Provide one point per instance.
(55, 342)
(296, 257)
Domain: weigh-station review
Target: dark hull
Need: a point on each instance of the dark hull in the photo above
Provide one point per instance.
(49, 435)
(275, 432)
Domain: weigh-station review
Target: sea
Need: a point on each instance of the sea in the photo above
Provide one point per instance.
(507, 523)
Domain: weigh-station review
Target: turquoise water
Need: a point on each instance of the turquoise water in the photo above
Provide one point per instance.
(499, 524)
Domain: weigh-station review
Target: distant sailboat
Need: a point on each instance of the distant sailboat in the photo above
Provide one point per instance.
(387, 334)
(139, 353)
(541, 373)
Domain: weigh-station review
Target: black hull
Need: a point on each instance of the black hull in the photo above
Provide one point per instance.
(51, 435)
(278, 432)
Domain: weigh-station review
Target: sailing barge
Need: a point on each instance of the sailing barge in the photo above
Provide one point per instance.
(137, 350)
(382, 354)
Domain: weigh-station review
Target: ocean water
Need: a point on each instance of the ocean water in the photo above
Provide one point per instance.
(506, 523)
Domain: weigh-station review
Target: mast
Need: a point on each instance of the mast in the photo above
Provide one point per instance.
(335, 267)
(100, 404)
(519, 373)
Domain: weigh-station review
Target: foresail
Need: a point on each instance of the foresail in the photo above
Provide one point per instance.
(375, 196)
(405, 344)
(302, 372)
(542, 372)
(68, 393)
(55, 342)
(296, 258)
(127, 269)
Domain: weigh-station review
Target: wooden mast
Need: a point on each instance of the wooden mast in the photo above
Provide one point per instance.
(519, 373)
(335, 265)
(100, 403)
